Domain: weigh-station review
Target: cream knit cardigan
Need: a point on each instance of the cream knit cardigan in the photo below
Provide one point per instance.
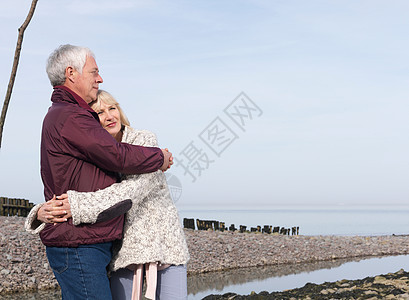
(152, 229)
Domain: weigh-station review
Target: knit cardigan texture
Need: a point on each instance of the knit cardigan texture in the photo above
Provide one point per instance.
(152, 229)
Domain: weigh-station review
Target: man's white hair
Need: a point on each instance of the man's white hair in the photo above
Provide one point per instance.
(63, 57)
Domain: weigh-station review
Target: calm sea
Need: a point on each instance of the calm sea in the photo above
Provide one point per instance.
(339, 220)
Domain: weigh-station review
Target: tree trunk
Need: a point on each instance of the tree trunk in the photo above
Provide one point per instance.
(15, 64)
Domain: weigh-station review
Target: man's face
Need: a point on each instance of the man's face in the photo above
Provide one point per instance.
(86, 84)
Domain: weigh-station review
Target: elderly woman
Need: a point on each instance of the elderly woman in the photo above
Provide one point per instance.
(153, 241)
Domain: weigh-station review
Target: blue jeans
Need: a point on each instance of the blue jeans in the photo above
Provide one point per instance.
(82, 272)
(171, 284)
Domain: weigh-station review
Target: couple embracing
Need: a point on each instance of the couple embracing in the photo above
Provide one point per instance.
(113, 223)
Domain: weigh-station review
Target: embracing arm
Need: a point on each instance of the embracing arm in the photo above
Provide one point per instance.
(83, 137)
(92, 207)
(53, 211)
(31, 224)
(102, 205)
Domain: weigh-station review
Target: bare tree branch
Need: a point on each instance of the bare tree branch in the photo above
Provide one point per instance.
(15, 64)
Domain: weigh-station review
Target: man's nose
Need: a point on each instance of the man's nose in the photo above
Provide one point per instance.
(99, 79)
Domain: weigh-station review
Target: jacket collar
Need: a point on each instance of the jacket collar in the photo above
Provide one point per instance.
(64, 94)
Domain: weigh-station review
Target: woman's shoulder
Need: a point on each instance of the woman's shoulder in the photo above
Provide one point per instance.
(139, 137)
(129, 131)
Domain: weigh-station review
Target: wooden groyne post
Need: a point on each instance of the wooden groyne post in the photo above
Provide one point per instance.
(189, 223)
(220, 226)
(14, 207)
(205, 225)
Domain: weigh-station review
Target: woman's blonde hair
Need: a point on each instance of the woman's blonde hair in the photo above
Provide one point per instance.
(107, 98)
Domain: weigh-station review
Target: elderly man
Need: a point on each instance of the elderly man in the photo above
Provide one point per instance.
(78, 154)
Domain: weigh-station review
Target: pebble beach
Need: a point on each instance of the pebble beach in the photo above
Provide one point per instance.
(24, 266)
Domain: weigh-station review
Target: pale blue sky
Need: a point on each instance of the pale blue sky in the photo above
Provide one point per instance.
(331, 78)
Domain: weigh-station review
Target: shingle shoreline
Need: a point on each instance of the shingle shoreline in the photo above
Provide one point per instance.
(24, 266)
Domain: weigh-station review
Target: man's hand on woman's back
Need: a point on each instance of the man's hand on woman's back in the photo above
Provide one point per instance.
(167, 159)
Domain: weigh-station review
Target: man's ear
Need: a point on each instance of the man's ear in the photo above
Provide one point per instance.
(70, 74)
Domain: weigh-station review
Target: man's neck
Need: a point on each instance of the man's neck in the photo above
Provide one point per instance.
(73, 89)
(77, 98)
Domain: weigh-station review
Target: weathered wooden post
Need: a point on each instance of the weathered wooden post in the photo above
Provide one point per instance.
(14, 207)
(208, 224)
(2, 201)
(19, 207)
(7, 207)
(222, 226)
(28, 206)
(189, 223)
(199, 224)
(267, 229)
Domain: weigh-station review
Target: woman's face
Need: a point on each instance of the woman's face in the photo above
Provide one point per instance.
(110, 119)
